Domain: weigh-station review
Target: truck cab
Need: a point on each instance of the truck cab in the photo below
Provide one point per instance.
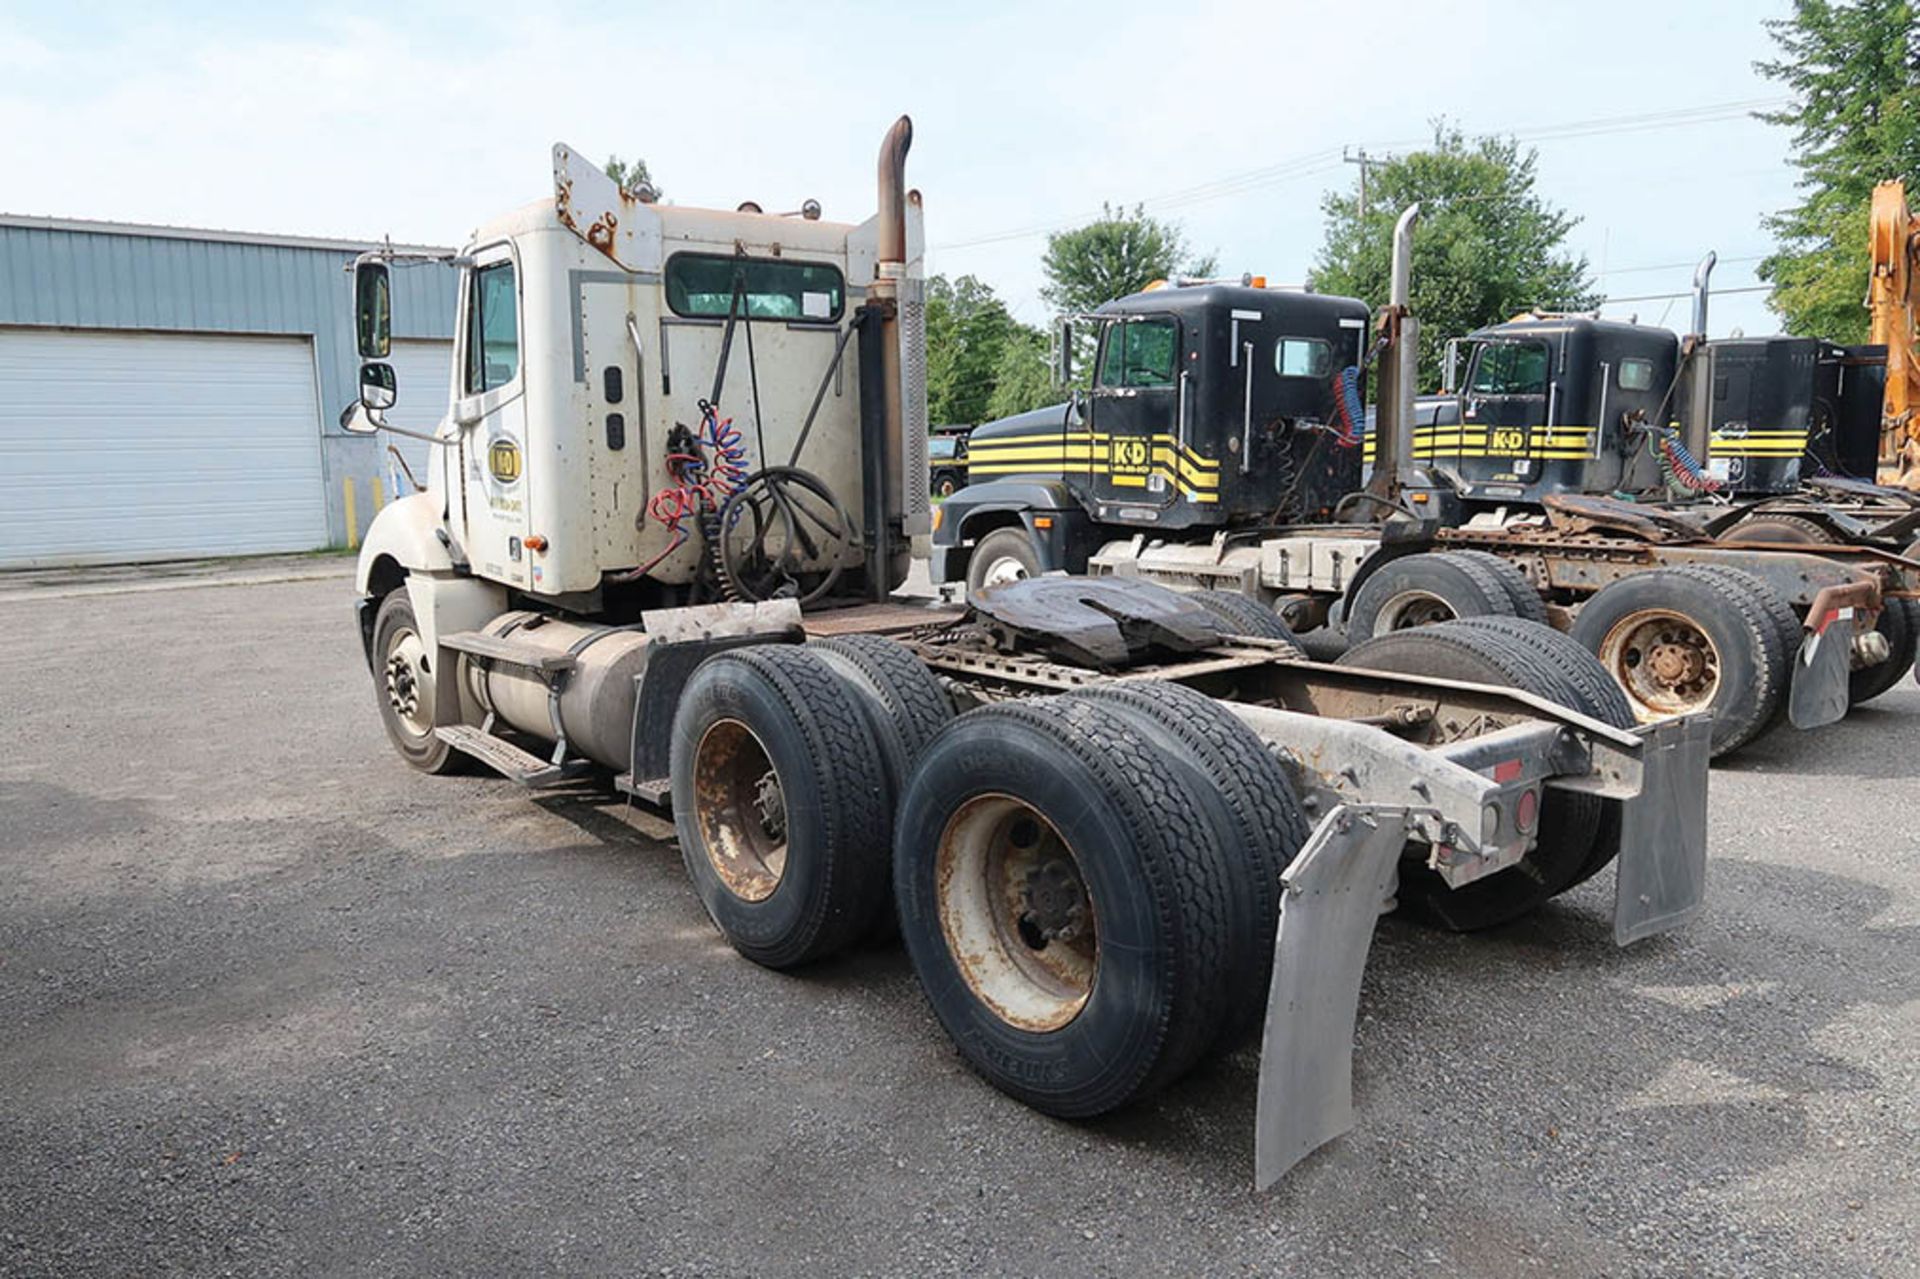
(620, 366)
(1207, 406)
(1553, 404)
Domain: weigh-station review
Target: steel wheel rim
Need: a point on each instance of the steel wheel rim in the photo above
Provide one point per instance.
(1003, 569)
(1411, 609)
(409, 684)
(741, 810)
(1665, 662)
(1016, 913)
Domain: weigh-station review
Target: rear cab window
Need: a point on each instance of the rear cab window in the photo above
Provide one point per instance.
(703, 286)
(1302, 357)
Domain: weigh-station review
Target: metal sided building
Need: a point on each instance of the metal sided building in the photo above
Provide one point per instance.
(169, 393)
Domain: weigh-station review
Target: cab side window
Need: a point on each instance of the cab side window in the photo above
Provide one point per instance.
(493, 335)
(1139, 353)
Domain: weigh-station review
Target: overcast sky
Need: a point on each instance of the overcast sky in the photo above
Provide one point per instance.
(360, 120)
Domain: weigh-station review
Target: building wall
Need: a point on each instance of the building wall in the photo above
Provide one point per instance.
(97, 276)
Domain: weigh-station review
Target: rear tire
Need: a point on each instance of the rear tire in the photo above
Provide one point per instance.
(1779, 528)
(1004, 555)
(920, 708)
(1420, 590)
(1597, 697)
(1243, 616)
(1527, 604)
(1265, 830)
(404, 685)
(781, 803)
(1055, 825)
(1694, 638)
(1570, 826)
(1900, 623)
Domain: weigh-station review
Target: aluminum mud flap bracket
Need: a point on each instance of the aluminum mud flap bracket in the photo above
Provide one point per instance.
(1334, 892)
(1345, 876)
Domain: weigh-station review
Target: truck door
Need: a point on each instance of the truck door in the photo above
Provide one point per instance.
(1135, 412)
(490, 412)
(1506, 397)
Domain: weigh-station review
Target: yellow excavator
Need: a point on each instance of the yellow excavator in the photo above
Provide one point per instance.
(1893, 237)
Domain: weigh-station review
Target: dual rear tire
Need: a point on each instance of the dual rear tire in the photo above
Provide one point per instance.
(1088, 886)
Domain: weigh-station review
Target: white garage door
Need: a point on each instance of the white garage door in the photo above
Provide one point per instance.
(423, 373)
(135, 446)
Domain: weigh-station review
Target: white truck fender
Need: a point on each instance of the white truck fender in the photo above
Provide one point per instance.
(406, 532)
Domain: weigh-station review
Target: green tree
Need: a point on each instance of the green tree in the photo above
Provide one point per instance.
(1023, 376)
(633, 175)
(1853, 67)
(968, 330)
(1117, 254)
(1487, 244)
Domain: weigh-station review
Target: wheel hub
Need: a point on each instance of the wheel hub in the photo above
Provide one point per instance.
(1677, 663)
(1411, 609)
(771, 805)
(1056, 903)
(1019, 921)
(1665, 662)
(408, 683)
(1003, 570)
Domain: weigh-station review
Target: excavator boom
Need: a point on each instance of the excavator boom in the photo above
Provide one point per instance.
(1893, 238)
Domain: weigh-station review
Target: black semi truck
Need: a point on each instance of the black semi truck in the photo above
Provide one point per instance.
(1221, 444)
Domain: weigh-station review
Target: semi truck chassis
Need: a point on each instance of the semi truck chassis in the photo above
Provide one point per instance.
(907, 710)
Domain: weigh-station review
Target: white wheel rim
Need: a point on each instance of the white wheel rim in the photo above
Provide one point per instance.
(409, 683)
(1411, 609)
(1016, 914)
(1003, 569)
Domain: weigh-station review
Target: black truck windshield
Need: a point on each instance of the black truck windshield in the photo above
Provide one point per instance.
(1509, 368)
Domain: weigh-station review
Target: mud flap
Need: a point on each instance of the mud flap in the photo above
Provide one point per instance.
(1335, 891)
(1819, 691)
(1661, 880)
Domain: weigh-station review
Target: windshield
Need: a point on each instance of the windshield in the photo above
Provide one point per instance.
(1509, 368)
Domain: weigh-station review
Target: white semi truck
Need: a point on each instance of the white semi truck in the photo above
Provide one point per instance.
(1118, 828)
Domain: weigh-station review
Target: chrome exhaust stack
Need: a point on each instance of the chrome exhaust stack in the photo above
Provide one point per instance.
(1399, 368)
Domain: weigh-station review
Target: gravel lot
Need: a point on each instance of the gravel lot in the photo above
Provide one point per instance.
(270, 1003)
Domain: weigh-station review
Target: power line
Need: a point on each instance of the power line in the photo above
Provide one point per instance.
(1656, 297)
(1322, 161)
(1677, 266)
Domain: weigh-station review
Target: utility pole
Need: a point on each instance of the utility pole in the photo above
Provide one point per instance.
(1360, 157)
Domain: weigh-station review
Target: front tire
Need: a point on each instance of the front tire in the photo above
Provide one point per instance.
(404, 686)
(1002, 556)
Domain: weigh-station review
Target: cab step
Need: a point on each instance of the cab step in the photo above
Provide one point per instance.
(508, 760)
(657, 791)
(505, 648)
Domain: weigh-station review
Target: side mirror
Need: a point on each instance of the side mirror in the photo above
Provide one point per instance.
(378, 387)
(373, 311)
(1063, 354)
(1450, 371)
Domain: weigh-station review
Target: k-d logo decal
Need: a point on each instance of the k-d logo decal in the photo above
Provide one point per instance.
(1128, 454)
(503, 460)
(1509, 441)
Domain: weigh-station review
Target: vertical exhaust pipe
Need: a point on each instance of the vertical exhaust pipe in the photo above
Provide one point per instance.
(883, 413)
(1399, 368)
(1701, 274)
(1695, 408)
